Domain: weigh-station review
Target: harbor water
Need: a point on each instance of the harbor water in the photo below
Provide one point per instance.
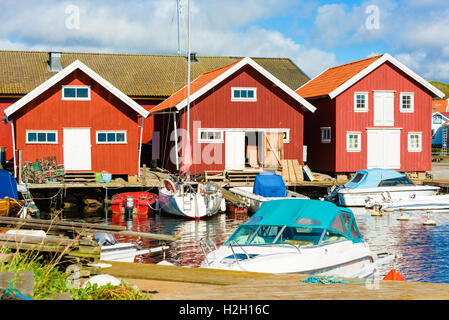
(423, 250)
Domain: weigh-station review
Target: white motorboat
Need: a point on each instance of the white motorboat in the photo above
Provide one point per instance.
(424, 203)
(191, 199)
(371, 185)
(297, 236)
(111, 250)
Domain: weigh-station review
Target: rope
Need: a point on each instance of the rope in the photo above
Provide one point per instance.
(330, 280)
(13, 289)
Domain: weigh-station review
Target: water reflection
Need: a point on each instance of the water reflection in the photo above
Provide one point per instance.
(424, 249)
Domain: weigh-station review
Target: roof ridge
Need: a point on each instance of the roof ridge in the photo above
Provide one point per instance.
(354, 62)
(139, 54)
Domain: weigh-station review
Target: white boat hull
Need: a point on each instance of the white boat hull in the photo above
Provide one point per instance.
(190, 205)
(359, 197)
(344, 258)
(254, 201)
(122, 252)
(433, 203)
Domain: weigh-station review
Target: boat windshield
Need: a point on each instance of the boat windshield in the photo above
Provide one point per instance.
(276, 234)
(301, 236)
(401, 181)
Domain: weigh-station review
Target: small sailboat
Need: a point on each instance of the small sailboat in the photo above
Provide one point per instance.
(267, 186)
(189, 198)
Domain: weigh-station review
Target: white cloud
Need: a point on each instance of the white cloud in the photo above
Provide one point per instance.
(217, 28)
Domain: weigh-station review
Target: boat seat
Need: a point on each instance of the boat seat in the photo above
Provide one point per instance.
(299, 242)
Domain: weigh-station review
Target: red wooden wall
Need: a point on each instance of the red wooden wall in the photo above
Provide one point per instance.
(5, 129)
(103, 112)
(386, 77)
(273, 109)
(320, 155)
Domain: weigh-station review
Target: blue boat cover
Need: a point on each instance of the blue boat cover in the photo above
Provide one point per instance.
(8, 185)
(308, 214)
(371, 178)
(269, 185)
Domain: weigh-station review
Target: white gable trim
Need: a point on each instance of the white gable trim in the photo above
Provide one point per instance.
(442, 115)
(238, 66)
(65, 72)
(386, 57)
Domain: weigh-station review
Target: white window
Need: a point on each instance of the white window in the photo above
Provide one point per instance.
(407, 102)
(353, 141)
(243, 94)
(414, 142)
(111, 137)
(325, 134)
(437, 119)
(75, 93)
(42, 136)
(286, 137)
(210, 136)
(360, 101)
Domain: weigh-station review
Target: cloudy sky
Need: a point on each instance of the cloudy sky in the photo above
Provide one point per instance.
(314, 34)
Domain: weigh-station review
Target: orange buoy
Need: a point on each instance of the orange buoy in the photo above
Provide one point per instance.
(394, 275)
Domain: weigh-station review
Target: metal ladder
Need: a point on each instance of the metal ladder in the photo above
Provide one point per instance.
(444, 141)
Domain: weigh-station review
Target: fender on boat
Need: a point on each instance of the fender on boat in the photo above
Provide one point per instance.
(169, 185)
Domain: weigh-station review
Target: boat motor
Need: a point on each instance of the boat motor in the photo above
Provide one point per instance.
(105, 239)
(129, 207)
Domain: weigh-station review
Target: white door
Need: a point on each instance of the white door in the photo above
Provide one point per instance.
(235, 150)
(384, 108)
(77, 149)
(384, 149)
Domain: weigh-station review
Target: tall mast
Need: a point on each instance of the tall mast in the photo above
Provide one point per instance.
(178, 13)
(188, 69)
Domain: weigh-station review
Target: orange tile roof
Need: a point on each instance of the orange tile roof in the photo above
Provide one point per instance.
(334, 77)
(195, 85)
(439, 105)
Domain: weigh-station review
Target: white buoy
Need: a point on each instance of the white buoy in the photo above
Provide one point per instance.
(429, 221)
(403, 217)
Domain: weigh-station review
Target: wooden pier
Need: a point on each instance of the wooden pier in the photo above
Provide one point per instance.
(181, 283)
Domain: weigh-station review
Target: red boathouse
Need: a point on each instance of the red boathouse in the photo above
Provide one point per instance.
(372, 113)
(81, 119)
(241, 117)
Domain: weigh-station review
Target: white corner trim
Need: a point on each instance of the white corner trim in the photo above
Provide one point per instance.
(61, 75)
(386, 57)
(235, 68)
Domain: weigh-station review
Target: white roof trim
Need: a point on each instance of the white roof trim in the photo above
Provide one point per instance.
(377, 63)
(65, 72)
(440, 115)
(236, 67)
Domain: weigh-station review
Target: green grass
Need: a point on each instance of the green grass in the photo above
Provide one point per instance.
(442, 87)
(50, 280)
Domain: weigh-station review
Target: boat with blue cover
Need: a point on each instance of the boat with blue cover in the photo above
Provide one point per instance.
(267, 186)
(376, 185)
(10, 205)
(297, 236)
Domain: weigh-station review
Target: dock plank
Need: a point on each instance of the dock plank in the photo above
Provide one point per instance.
(173, 282)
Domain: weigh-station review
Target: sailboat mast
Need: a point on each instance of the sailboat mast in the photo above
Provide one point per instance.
(178, 13)
(188, 68)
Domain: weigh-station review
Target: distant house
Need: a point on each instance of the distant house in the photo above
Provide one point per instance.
(440, 106)
(241, 117)
(438, 119)
(370, 113)
(82, 119)
(146, 79)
